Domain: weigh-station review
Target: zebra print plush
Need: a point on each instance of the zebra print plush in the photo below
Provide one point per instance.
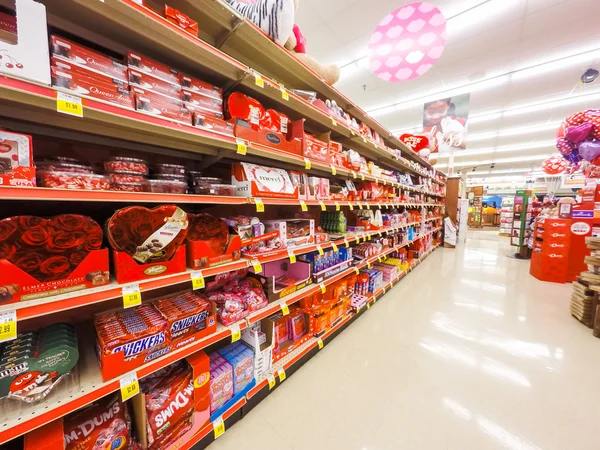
(274, 17)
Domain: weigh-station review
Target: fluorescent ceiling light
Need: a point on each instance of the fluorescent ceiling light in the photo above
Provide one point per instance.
(505, 149)
(463, 164)
(492, 172)
(520, 131)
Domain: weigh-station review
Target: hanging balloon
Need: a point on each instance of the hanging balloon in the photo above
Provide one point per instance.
(564, 146)
(554, 165)
(589, 150)
(560, 132)
(574, 120)
(579, 133)
(593, 116)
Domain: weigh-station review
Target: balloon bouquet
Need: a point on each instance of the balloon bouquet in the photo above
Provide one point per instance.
(578, 140)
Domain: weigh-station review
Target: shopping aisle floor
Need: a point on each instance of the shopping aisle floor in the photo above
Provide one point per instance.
(469, 352)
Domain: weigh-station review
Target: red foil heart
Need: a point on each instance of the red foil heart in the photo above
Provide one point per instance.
(48, 249)
(204, 227)
(129, 229)
(415, 143)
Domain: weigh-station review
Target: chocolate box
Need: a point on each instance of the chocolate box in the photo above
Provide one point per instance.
(252, 180)
(210, 122)
(181, 20)
(128, 270)
(16, 160)
(201, 255)
(277, 330)
(317, 148)
(202, 102)
(290, 141)
(149, 82)
(160, 105)
(85, 57)
(195, 85)
(97, 87)
(293, 232)
(146, 65)
(281, 278)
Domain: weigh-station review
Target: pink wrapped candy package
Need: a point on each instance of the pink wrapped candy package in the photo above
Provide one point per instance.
(221, 381)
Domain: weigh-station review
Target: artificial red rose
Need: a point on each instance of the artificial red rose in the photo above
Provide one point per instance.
(28, 262)
(77, 257)
(70, 222)
(35, 236)
(56, 265)
(7, 227)
(28, 222)
(93, 242)
(7, 250)
(64, 240)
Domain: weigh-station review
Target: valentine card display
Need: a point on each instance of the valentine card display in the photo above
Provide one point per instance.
(252, 180)
(407, 42)
(209, 242)
(104, 424)
(147, 242)
(16, 160)
(36, 361)
(43, 257)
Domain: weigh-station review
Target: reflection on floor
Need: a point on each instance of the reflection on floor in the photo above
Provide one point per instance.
(469, 352)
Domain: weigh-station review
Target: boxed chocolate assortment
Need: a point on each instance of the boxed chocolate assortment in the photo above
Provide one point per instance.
(16, 160)
(42, 257)
(209, 242)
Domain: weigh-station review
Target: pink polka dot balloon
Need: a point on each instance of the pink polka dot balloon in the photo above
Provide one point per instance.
(408, 42)
(555, 165)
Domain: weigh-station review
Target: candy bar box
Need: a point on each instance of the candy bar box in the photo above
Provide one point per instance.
(285, 333)
(253, 180)
(42, 257)
(16, 160)
(293, 232)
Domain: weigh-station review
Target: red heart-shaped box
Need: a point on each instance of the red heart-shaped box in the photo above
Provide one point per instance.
(41, 257)
(148, 235)
(415, 143)
(209, 242)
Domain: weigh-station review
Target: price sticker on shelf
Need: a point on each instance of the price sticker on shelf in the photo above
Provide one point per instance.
(337, 206)
(320, 343)
(356, 270)
(281, 375)
(292, 256)
(333, 170)
(271, 380)
(379, 258)
(368, 205)
(333, 122)
(351, 206)
(303, 205)
(131, 295)
(236, 334)
(362, 177)
(8, 326)
(354, 174)
(384, 183)
(285, 309)
(323, 207)
(284, 93)
(307, 164)
(384, 289)
(218, 427)
(323, 288)
(130, 386)
(379, 205)
(258, 80)
(334, 246)
(197, 280)
(357, 310)
(359, 205)
(242, 146)
(346, 243)
(364, 139)
(69, 104)
(260, 206)
(368, 305)
(320, 250)
(379, 233)
(256, 265)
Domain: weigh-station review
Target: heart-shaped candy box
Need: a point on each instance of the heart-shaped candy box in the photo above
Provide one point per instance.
(148, 235)
(48, 249)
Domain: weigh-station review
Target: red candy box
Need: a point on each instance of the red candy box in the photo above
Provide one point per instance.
(44, 257)
(16, 160)
(209, 242)
(147, 242)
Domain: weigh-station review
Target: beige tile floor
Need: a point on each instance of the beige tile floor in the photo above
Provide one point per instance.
(469, 352)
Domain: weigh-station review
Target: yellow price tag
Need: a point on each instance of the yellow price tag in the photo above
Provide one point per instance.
(384, 289)
(258, 80)
(8, 326)
(368, 205)
(359, 205)
(333, 122)
(379, 258)
(260, 206)
(242, 146)
(303, 205)
(323, 288)
(130, 386)
(337, 206)
(364, 139)
(333, 170)
(307, 164)
(271, 380)
(351, 206)
(362, 177)
(368, 265)
(257, 266)
(285, 309)
(384, 183)
(320, 342)
(357, 310)
(292, 256)
(284, 94)
(69, 104)
(320, 250)
(357, 271)
(346, 242)
(354, 174)
(131, 295)
(334, 246)
(218, 427)
(197, 280)
(353, 132)
(379, 205)
(281, 375)
(236, 334)
(368, 305)
(323, 207)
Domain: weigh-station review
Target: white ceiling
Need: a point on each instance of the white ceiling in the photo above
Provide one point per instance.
(493, 46)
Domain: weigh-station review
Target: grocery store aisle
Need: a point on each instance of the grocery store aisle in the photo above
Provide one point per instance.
(468, 352)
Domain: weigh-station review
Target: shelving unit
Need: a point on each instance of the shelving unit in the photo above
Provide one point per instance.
(228, 53)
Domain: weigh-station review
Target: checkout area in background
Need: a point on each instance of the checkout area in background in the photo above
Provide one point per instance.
(484, 210)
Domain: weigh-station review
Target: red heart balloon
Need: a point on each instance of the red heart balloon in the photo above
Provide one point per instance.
(148, 235)
(204, 227)
(415, 143)
(49, 249)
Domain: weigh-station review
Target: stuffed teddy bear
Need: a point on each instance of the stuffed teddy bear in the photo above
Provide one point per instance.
(276, 18)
